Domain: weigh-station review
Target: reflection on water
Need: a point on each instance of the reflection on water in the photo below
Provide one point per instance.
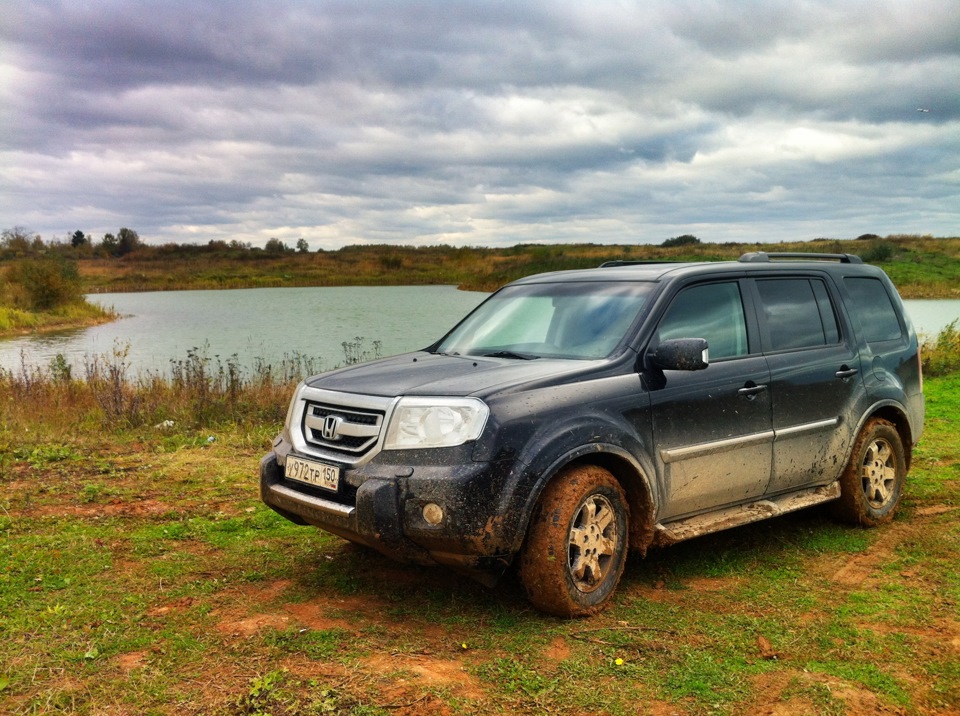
(271, 323)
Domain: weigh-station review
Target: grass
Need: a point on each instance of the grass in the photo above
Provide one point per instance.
(921, 267)
(14, 321)
(139, 573)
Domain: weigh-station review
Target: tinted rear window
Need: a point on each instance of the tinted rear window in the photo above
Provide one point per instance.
(797, 313)
(871, 303)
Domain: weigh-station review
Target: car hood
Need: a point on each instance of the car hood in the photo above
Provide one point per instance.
(424, 373)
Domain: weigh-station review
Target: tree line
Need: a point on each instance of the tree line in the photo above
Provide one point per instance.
(18, 242)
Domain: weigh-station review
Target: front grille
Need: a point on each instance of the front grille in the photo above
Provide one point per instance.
(340, 429)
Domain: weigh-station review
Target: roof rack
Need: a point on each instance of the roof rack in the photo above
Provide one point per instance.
(764, 257)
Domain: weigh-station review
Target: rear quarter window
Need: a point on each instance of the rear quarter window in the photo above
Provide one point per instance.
(871, 304)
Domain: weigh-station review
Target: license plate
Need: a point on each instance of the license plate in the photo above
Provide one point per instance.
(313, 473)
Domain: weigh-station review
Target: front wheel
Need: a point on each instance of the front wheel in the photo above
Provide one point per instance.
(872, 483)
(576, 544)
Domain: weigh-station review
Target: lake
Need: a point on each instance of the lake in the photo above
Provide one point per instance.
(265, 323)
(270, 323)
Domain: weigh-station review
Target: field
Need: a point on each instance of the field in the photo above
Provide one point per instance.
(921, 267)
(139, 573)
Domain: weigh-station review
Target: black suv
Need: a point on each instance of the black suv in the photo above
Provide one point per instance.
(575, 415)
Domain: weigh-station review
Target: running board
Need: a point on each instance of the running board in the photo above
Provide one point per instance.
(742, 514)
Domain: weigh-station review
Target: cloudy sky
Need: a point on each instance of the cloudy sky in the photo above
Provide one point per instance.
(480, 123)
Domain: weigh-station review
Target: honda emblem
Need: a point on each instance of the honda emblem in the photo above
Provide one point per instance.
(331, 427)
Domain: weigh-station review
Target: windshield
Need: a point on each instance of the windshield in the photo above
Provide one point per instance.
(549, 320)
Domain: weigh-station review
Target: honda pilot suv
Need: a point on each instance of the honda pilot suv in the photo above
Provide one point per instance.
(575, 416)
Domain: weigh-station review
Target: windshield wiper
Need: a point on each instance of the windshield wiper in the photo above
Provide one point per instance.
(510, 354)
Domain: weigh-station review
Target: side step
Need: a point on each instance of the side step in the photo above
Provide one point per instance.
(691, 527)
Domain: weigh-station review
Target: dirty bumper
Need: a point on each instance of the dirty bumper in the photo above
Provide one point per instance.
(390, 515)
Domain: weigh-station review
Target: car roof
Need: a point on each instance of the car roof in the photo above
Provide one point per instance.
(656, 271)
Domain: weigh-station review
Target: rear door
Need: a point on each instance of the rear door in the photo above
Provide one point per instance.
(815, 379)
(712, 428)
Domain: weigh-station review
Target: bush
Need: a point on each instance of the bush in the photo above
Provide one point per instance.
(878, 252)
(941, 355)
(43, 283)
(685, 240)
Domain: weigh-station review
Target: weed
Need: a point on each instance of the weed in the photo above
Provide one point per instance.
(42, 455)
(941, 356)
(61, 371)
(106, 378)
(354, 351)
(257, 699)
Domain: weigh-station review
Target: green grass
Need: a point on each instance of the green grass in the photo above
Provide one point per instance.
(139, 573)
(14, 321)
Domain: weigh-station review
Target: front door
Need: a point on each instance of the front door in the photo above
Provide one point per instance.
(712, 428)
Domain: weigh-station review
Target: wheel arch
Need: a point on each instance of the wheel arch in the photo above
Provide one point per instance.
(897, 416)
(631, 475)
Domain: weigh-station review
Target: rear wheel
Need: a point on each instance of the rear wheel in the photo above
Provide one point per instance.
(872, 483)
(576, 545)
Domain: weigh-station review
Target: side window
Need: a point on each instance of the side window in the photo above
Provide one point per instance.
(713, 311)
(796, 313)
(871, 303)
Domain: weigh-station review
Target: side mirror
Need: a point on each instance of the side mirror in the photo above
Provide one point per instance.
(681, 354)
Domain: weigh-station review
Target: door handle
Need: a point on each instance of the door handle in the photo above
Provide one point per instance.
(751, 390)
(846, 372)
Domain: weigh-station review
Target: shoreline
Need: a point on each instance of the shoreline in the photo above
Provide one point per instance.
(54, 324)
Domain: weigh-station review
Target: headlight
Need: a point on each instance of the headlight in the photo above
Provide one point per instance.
(288, 425)
(435, 422)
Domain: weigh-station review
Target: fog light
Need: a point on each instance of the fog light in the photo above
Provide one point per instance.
(432, 514)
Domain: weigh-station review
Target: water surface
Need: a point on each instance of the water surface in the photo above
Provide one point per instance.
(261, 323)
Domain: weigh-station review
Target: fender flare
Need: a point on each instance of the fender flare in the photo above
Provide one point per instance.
(632, 474)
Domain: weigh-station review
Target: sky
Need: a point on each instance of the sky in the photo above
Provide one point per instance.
(480, 123)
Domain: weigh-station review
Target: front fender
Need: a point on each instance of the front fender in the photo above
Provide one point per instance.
(590, 437)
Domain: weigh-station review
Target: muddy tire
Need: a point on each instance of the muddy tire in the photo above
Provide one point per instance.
(872, 483)
(576, 544)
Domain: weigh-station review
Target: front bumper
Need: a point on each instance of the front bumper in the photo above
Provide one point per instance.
(381, 506)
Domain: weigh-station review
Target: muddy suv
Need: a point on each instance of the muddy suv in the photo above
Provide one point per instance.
(577, 415)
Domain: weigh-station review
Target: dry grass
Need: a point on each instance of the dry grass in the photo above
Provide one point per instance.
(922, 267)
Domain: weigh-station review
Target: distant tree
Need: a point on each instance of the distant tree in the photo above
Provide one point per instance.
(127, 241)
(217, 245)
(240, 245)
(15, 241)
(78, 239)
(276, 246)
(868, 237)
(108, 244)
(302, 245)
(685, 240)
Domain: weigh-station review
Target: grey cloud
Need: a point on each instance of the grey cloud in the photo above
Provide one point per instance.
(479, 122)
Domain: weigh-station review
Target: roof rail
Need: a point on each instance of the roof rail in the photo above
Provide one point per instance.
(764, 257)
(624, 262)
